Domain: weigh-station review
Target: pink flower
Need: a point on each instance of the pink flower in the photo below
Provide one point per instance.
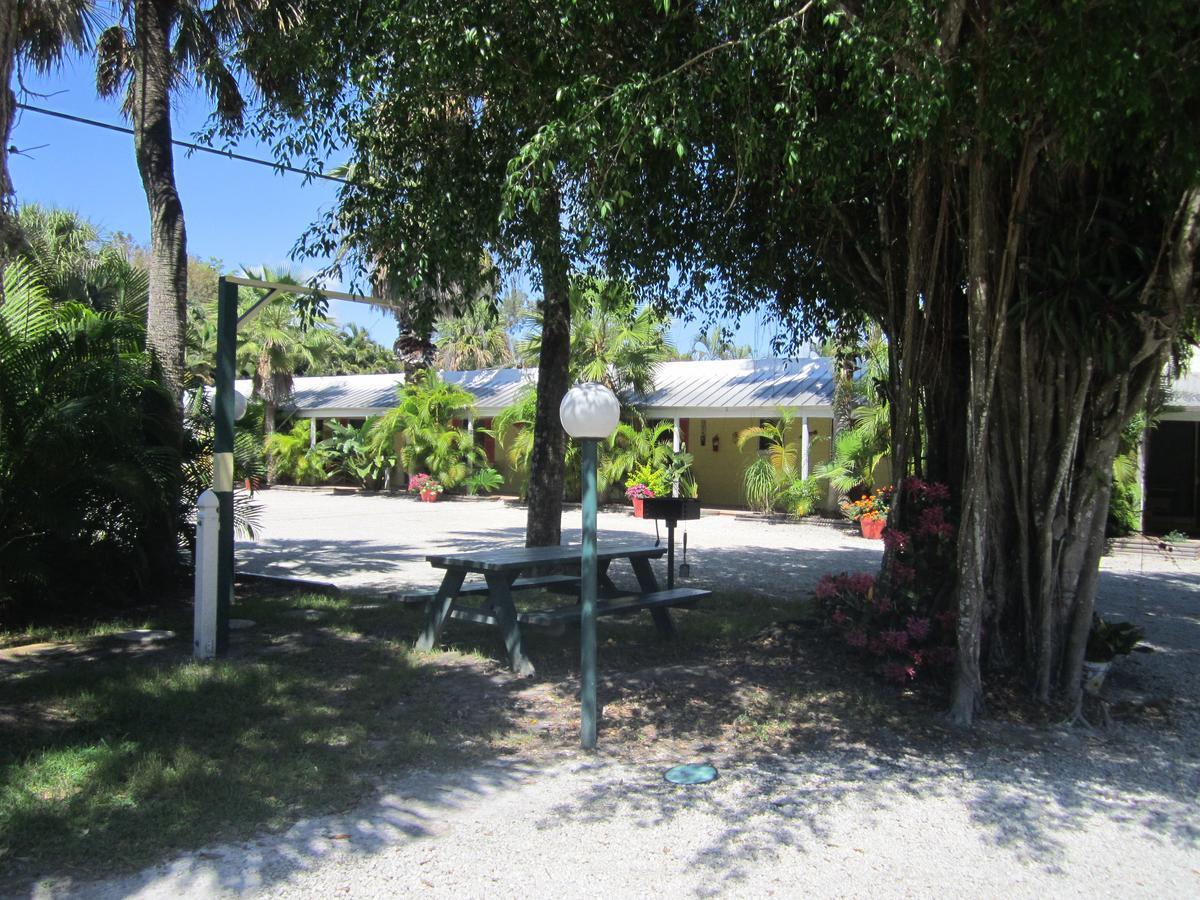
(856, 637)
(861, 583)
(899, 672)
(895, 540)
(826, 588)
(882, 603)
(876, 647)
(918, 629)
(937, 492)
(839, 618)
(902, 574)
(895, 640)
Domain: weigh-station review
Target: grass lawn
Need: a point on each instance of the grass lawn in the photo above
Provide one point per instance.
(115, 757)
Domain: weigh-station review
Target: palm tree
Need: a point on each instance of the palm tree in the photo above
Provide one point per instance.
(716, 344)
(424, 420)
(75, 264)
(37, 33)
(90, 467)
(273, 347)
(152, 49)
(477, 339)
(358, 353)
(613, 341)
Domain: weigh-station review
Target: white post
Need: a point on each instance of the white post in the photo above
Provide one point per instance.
(804, 447)
(204, 635)
(312, 433)
(676, 445)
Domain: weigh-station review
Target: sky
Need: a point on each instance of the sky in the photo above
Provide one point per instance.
(235, 212)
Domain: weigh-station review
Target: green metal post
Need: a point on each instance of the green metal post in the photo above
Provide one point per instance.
(227, 315)
(587, 601)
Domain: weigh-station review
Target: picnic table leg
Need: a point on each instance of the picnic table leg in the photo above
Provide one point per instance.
(438, 609)
(602, 577)
(505, 611)
(648, 583)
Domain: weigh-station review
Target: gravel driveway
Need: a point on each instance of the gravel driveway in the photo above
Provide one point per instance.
(1003, 810)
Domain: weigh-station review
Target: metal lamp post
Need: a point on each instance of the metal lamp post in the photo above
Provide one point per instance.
(588, 412)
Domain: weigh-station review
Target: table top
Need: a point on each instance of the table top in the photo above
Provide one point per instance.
(508, 559)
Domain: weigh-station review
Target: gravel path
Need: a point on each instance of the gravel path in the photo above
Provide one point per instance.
(1004, 810)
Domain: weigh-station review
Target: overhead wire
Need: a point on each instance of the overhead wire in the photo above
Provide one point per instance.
(203, 148)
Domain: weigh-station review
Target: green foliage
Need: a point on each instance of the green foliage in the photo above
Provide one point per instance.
(484, 481)
(352, 453)
(772, 481)
(90, 492)
(654, 479)
(858, 452)
(294, 457)
(613, 340)
(430, 441)
(1108, 640)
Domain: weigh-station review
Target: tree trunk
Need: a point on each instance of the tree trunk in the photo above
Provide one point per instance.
(268, 430)
(166, 314)
(10, 235)
(546, 467)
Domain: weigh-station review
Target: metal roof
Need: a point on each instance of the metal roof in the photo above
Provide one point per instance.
(344, 395)
(1184, 399)
(739, 387)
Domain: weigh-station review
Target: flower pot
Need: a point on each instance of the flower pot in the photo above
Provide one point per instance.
(429, 496)
(1094, 674)
(639, 507)
(872, 528)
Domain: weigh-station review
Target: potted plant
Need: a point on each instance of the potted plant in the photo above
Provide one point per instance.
(1106, 641)
(638, 493)
(870, 511)
(425, 486)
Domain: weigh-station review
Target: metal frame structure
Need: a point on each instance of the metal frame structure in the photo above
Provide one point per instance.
(228, 322)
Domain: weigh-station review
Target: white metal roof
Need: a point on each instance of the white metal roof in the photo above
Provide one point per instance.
(727, 388)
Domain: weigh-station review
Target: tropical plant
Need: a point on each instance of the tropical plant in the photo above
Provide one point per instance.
(35, 33)
(484, 481)
(355, 353)
(645, 481)
(1108, 640)
(857, 452)
(274, 345)
(430, 441)
(424, 483)
(293, 456)
(90, 494)
(475, 339)
(152, 49)
(614, 341)
(74, 262)
(352, 453)
(715, 343)
(636, 443)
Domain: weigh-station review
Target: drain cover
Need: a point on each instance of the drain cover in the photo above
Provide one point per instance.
(691, 773)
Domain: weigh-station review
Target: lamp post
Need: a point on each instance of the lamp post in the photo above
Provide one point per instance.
(588, 412)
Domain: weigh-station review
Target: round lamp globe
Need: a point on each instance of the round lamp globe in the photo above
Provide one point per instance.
(239, 405)
(589, 410)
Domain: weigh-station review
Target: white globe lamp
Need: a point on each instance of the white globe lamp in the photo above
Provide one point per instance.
(589, 410)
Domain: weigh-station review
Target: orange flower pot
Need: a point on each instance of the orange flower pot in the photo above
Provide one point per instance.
(872, 528)
(429, 496)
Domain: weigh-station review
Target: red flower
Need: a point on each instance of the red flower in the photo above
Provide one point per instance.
(899, 672)
(918, 629)
(895, 640)
(839, 617)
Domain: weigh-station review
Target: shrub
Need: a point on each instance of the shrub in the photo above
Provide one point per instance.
(904, 622)
(484, 481)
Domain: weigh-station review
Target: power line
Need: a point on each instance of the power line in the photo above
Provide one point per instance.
(228, 154)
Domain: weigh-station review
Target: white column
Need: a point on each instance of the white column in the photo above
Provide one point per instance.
(312, 432)
(804, 440)
(676, 445)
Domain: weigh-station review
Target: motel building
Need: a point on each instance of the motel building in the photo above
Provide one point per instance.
(710, 402)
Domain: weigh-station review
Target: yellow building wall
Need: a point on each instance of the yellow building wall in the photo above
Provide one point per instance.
(719, 473)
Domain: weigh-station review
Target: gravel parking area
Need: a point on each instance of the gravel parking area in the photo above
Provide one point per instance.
(1003, 810)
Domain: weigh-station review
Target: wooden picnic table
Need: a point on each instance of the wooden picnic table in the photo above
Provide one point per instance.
(502, 570)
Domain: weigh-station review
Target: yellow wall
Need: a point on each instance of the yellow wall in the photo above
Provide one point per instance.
(719, 473)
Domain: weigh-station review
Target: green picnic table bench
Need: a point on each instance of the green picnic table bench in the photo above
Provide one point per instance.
(502, 571)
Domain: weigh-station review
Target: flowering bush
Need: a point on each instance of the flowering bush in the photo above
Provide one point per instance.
(638, 492)
(871, 507)
(423, 483)
(904, 621)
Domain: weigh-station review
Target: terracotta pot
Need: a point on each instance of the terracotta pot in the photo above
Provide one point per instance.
(429, 496)
(872, 528)
(639, 508)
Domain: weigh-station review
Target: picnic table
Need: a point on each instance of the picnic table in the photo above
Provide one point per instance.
(502, 570)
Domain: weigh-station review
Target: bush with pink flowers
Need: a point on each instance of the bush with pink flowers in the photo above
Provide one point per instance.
(904, 620)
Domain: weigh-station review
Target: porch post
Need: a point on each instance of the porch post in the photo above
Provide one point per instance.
(312, 432)
(804, 440)
(676, 445)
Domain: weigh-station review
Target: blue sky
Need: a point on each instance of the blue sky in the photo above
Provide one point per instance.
(236, 212)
